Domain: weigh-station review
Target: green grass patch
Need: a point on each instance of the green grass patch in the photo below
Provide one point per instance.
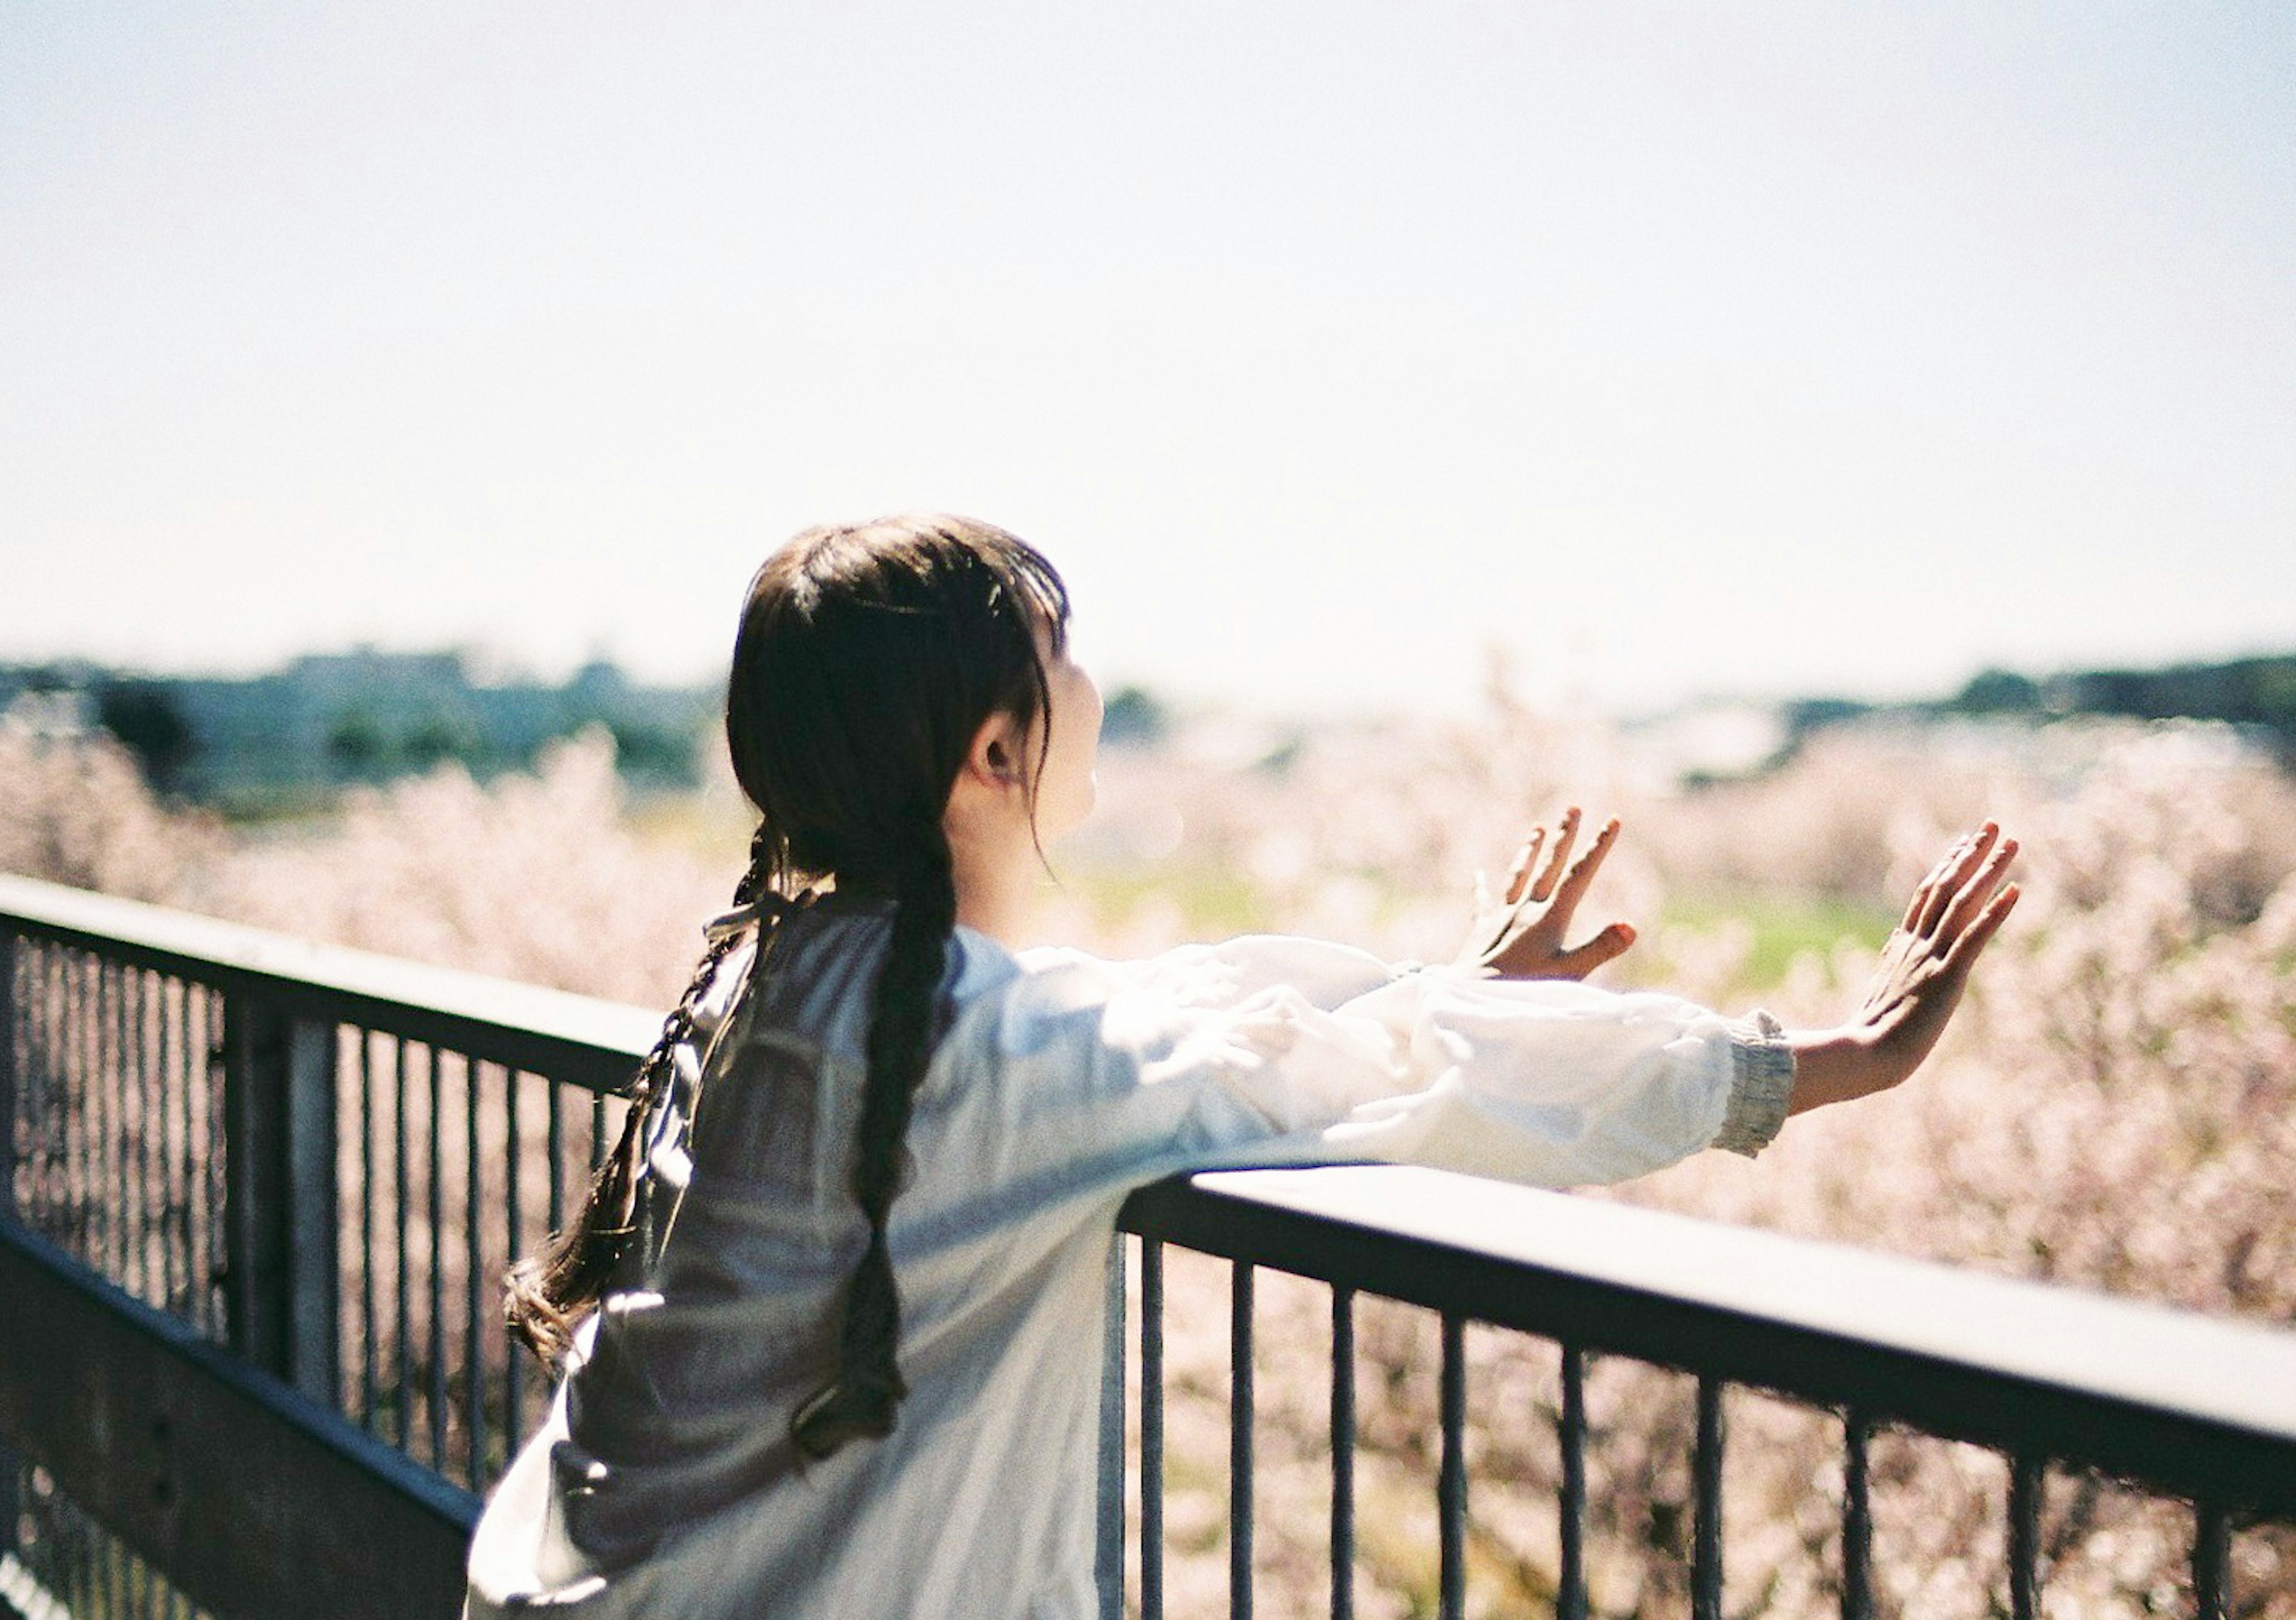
(713, 828)
(1215, 901)
(1785, 922)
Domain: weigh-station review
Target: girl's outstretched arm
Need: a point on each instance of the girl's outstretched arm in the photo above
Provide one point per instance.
(1924, 969)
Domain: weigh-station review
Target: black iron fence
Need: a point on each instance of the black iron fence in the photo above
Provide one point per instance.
(309, 1162)
(258, 1194)
(2061, 1384)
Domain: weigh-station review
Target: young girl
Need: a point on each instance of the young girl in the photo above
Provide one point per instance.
(831, 1321)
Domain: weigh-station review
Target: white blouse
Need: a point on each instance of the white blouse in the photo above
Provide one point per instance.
(663, 1481)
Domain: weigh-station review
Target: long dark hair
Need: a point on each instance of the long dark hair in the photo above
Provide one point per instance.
(867, 660)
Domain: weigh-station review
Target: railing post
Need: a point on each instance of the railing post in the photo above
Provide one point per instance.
(279, 1196)
(1241, 1415)
(10, 1061)
(12, 1468)
(1108, 1557)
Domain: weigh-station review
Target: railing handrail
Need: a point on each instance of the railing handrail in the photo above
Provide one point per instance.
(2200, 1406)
(582, 1039)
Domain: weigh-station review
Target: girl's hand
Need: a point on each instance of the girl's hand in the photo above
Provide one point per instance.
(1923, 969)
(1521, 936)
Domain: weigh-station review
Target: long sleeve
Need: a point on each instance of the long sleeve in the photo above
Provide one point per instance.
(1559, 1084)
(1270, 1050)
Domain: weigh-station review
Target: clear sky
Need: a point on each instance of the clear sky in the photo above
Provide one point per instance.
(1671, 349)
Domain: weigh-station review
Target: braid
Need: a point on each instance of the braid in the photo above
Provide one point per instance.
(864, 1396)
(546, 1295)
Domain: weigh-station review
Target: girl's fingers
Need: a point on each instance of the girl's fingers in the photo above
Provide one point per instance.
(1979, 890)
(1925, 896)
(1574, 886)
(1963, 952)
(1519, 873)
(1564, 837)
(1912, 921)
(1946, 885)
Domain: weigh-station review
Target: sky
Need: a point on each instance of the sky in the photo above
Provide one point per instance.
(1333, 352)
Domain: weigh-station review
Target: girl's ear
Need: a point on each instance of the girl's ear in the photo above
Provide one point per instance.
(990, 790)
(998, 759)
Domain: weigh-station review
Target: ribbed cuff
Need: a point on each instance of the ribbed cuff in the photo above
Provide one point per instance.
(1761, 1085)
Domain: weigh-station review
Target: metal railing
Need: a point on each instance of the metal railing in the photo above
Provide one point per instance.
(259, 1193)
(2181, 1405)
(300, 1160)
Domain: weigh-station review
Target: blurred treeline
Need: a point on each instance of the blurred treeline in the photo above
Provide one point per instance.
(2254, 692)
(290, 740)
(2255, 695)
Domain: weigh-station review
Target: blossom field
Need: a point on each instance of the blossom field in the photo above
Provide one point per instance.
(2115, 1109)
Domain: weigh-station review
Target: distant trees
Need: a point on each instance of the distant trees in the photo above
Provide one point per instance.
(364, 747)
(357, 746)
(292, 737)
(2249, 692)
(435, 738)
(1133, 714)
(647, 750)
(2254, 692)
(149, 723)
(1998, 692)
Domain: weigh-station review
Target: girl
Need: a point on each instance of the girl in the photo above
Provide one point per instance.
(830, 1323)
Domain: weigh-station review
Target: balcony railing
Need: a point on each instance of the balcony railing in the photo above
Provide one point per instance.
(309, 1167)
(259, 1193)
